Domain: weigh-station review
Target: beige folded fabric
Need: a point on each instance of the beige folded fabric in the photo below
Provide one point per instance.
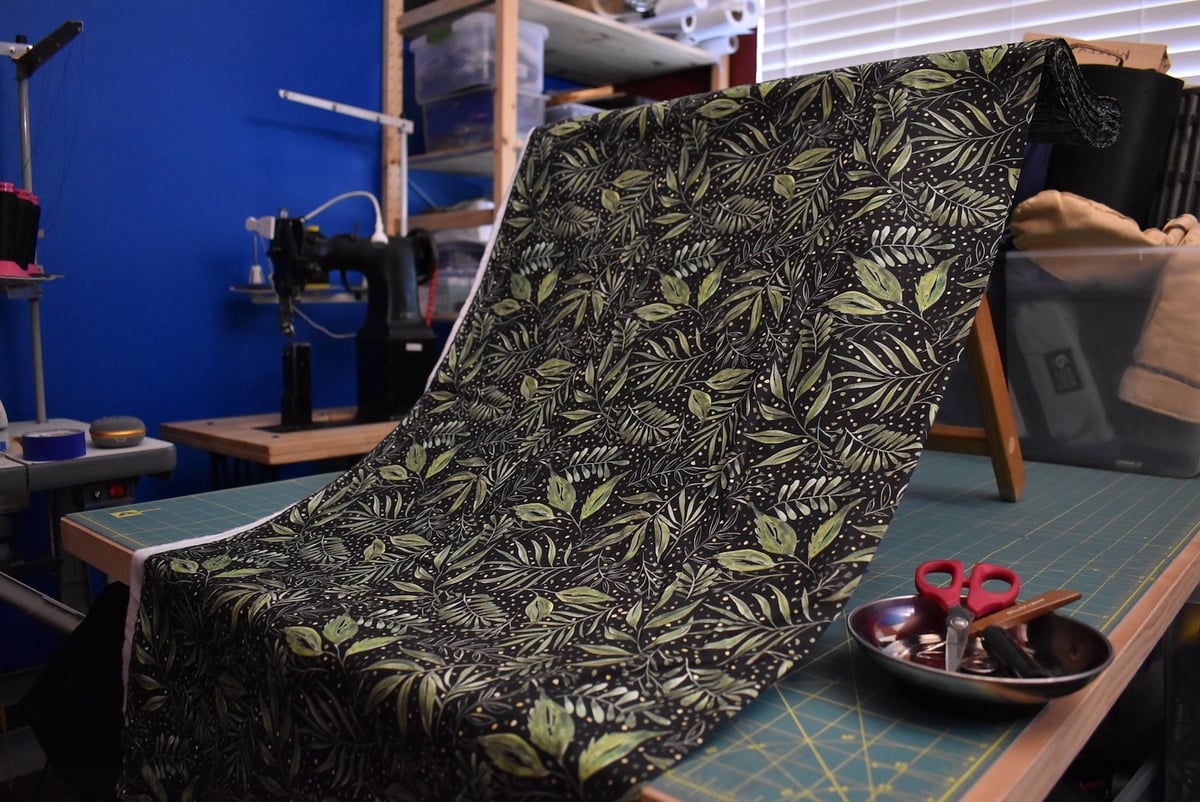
(1165, 374)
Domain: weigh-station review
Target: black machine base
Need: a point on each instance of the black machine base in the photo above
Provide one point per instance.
(392, 373)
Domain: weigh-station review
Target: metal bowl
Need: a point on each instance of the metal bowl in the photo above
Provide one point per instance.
(886, 630)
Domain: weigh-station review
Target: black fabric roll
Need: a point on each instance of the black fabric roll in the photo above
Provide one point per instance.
(1126, 174)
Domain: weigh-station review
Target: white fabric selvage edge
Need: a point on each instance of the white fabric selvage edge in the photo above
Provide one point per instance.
(136, 568)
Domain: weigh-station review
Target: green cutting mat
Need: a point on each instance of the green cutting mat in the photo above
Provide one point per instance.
(841, 729)
(154, 523)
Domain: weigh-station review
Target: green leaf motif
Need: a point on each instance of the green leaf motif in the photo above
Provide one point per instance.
(181, 566)
(931, 286)
(561, 493)
(440, 462)
(598, 497)
(828, 531)
(878, 281)
(775, 535)
(633, 178)
(551, 728)
(721, 107)
(538, 609)
(520, 287)
(609, 748)
(675, 290)
(927, 79)
(394, 473)
(653, 313)
(810, 158)
(745, 560)
(956, 61)
(583, 595)
(510, 752)
(534, 512)
(506, 307)
(728, 378)
(610, 199)
(784, 186)
(992, 56)
(304, 641)
(414, 458)
(374, 549)
(217, 563)
(340, 629)
(856, 303)
(699, 403)
(546, 286)
(709, 285)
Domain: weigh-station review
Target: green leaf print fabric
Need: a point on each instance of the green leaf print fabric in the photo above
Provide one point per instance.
(658, 455)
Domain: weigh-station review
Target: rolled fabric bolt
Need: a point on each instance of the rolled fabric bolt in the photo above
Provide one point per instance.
(677, 27)
(53, 444)
(667, 12)
(734, 19)
(720, 46)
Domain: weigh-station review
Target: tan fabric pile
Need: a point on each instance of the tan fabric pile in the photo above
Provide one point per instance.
(1165, 374)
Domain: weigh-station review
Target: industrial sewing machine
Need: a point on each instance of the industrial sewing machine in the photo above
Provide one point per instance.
(395, 349)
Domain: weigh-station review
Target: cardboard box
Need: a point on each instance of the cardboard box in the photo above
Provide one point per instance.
(1079, 346)
(1135, 55)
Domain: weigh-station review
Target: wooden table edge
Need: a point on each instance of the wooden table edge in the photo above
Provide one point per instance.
(96, 550)
(1036, 759)
(241, 437)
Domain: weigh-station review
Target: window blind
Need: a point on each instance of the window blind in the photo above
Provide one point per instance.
(803, 36)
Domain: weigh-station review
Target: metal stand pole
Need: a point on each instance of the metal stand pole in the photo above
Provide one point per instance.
(27, 59)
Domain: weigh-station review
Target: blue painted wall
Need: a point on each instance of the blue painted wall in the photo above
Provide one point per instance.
(156, 132)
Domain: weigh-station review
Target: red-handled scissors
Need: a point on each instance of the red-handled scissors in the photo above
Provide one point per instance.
(961, 612)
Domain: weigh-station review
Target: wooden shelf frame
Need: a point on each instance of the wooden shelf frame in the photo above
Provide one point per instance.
(582, 46)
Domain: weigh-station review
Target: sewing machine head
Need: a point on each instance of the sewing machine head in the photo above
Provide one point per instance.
(395, 346)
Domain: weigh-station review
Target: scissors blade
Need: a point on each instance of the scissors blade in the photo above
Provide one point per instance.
(957, 622)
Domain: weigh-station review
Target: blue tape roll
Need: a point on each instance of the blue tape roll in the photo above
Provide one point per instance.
(53, 444)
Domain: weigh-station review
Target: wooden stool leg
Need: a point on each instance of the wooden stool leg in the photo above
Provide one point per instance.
(998, 437)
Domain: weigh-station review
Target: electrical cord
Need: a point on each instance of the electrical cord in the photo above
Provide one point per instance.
(335, 335)
(380, 236)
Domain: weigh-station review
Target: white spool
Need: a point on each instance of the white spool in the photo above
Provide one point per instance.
(667, 12)
(731, 19)
(676, 26)
(719, 46)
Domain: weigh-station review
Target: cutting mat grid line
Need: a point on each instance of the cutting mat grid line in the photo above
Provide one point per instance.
(816, 735)
(151, 523)
(1102, 533)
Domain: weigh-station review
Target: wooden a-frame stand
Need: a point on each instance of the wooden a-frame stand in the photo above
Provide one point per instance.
(998, 436)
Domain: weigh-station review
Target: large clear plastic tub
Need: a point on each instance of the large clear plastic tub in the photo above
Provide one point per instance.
(463, 56)
(467, 118)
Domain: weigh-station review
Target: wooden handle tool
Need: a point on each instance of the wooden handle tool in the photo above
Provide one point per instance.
(1025, 611)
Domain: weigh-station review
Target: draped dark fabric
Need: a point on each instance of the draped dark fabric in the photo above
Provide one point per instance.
(659, 453)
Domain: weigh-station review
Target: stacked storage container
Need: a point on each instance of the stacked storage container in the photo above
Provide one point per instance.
(455, 75)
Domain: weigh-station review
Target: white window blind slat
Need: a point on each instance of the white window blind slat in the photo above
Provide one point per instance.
(803, 36)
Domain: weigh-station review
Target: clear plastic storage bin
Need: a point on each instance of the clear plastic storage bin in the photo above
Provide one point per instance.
(458, 264)
(1102, 365)
(448, 61)
(569, 111)
(466, 118)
